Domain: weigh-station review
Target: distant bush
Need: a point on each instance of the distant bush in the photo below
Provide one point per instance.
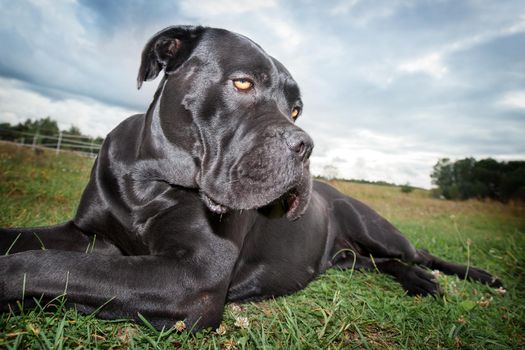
(406, 188)
(486, 178)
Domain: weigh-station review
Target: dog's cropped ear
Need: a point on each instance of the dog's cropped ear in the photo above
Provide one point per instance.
(167, 50)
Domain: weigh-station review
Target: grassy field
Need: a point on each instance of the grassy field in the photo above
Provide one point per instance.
(339, 310)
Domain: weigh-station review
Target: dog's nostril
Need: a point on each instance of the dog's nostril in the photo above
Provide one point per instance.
(299, 143)
(300, 148)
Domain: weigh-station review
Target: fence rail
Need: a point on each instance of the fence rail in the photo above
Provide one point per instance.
(83, 145)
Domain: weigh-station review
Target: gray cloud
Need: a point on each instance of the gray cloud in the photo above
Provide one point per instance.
(389, 86)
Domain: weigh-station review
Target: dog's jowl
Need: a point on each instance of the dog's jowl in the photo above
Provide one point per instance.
(206, 198)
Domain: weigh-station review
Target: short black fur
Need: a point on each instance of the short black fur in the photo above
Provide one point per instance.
(204, 199)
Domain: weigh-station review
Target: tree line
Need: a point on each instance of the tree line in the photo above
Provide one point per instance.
(460, 179)
(485, 178)
(45, 131)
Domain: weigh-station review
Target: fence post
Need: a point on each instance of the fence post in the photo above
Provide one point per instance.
(34, 140)
(59, 141)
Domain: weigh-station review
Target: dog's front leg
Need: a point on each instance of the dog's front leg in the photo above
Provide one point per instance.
(190, 286)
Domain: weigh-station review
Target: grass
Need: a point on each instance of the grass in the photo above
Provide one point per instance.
(339, 310)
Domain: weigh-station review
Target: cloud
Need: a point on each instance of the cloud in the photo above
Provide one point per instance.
(513, 100)
(343, 7)
(50, 47)
(285, 32)
(18, 103)
(389, 86)
(362, 13)
(353, 159)
(431, 64)
(207, 8)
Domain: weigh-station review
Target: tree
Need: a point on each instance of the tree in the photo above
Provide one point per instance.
(73, 130)
(43, 127)
(443, 177)
(7, 133)
(486, 178)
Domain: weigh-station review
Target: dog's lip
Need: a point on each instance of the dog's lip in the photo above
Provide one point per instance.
(213, 205)
(289, 201)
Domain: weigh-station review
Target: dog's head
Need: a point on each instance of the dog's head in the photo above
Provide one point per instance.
(232, 108)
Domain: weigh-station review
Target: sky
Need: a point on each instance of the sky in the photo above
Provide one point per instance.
(389, 86)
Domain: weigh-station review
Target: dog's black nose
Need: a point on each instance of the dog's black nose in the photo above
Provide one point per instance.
(300, 143)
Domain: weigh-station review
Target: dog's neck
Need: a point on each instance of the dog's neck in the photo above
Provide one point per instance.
(170, 160)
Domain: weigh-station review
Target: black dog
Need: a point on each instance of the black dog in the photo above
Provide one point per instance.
(206, 198)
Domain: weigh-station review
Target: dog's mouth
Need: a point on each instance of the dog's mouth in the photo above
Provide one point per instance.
(289, 204)
(291, 201)
(213, 205)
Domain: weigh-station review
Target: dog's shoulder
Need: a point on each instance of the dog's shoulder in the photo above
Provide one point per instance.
(124, 139)
(131, 124)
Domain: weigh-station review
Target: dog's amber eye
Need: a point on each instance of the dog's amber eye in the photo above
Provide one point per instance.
(295, 112)
(243, 85)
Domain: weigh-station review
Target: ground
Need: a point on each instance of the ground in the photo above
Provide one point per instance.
(339, 310)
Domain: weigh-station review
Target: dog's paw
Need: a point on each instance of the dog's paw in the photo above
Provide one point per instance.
(483, 276)
(417, 281)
